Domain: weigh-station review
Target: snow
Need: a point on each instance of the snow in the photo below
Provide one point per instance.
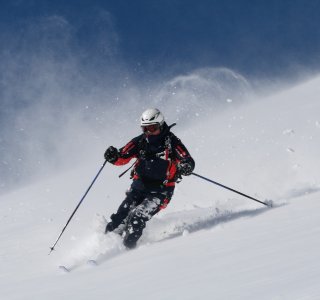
(209, 243)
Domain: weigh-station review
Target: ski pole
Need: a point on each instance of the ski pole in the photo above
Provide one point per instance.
(64, 228)
(230, 189)
(127, 169)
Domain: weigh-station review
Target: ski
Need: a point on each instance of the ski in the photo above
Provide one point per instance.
(90, 262)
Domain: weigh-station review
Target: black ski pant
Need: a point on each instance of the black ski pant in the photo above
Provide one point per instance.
(139, 206)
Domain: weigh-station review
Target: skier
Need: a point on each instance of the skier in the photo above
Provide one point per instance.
(161, 159)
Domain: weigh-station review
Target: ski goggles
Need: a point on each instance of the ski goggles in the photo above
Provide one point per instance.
(150, 128)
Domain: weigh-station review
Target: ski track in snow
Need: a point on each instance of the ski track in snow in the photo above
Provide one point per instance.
(101, 247)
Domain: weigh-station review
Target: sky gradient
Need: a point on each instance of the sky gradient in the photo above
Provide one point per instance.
(263, 38)
(68, 67)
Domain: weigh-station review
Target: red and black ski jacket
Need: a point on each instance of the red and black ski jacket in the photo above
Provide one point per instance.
(157, 157)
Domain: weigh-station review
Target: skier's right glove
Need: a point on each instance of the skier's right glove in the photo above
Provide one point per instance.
(185, 169)
(111, 154)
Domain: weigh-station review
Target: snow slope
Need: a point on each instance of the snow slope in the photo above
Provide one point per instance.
(209, 243)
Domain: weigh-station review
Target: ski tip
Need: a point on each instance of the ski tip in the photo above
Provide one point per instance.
(64, 269)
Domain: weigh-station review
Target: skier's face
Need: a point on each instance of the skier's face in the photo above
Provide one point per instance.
(151, 129)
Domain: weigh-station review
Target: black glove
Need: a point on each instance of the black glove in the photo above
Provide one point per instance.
(111, 154)
(185, 168)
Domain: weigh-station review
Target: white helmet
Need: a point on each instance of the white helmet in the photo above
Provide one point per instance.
(152, 116)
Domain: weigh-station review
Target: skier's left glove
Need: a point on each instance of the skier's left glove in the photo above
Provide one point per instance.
(185, 168)
(111, 154)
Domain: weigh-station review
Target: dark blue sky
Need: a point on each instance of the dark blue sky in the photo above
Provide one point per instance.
(264, 38)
